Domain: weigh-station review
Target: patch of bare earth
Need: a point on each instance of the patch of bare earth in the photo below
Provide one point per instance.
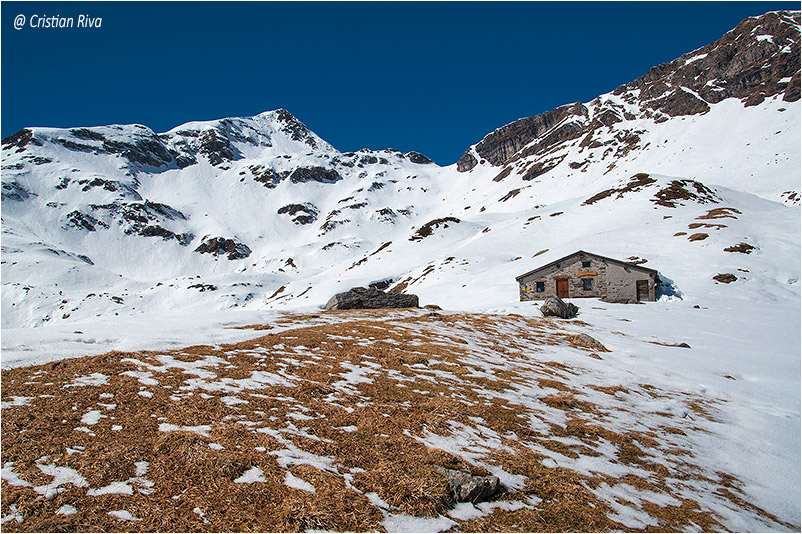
(338, 422)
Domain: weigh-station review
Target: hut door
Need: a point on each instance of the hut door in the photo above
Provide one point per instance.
(562, 289)
(642, 289)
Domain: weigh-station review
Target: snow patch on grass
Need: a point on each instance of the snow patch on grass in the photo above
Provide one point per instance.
(294, 482)
(409, 523)
(203, 430)
(123, 515)
(254, 474)
(16, 401)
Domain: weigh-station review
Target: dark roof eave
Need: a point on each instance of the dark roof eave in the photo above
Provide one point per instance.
(625, 264)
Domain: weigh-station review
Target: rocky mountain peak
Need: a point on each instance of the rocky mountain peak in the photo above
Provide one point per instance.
(294, 128)
(758, 59)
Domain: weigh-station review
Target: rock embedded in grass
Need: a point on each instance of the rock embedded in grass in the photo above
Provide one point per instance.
(465, 487)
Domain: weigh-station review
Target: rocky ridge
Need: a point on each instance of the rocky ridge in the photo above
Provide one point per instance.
(758, 59)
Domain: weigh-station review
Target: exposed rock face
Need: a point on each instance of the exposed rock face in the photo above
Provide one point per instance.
(268, 177)
(166, 235)
(465, 487)
(16, 192)
(308, 212)
(417, 157)
(359, 298)
(555, 307)
(216, 147)
(315, 174)
(134, 218)
(498, 147)
(295, 128)
(466, 162)
(147, 149)
(742, 64)
(142, 147)
(218, 246)
(20, 140)
(82, 221)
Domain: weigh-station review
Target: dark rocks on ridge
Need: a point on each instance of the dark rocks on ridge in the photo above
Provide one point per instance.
(218, 246)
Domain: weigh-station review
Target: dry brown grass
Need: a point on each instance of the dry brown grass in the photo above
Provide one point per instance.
(694, 226)
(720, 213)
(424, 377)
(698, 236)
(743, 248)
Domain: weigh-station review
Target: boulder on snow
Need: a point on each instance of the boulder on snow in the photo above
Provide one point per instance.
(359, 298)
(465, 487)
(590, 342)
(555, 307)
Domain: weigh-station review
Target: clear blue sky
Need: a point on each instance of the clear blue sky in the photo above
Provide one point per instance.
(430, 77)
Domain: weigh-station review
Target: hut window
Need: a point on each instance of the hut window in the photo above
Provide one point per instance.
(586, 263)
(587, 284)
(540, 287)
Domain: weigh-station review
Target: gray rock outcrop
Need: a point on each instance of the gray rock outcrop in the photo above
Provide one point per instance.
(358, 298)
(465, 487)
(500, 145)
(555, 307)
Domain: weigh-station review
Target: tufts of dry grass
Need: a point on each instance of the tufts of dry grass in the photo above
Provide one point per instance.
(694, 226)
(350, 404)
(743, 248)
(720, 213)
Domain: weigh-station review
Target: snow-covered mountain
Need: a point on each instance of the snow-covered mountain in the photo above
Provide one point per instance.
(259, 212)
(116, 237)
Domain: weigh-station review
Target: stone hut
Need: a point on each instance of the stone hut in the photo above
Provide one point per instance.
(583, 274)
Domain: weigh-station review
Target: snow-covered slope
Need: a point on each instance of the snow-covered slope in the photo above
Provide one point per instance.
(260, 213)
